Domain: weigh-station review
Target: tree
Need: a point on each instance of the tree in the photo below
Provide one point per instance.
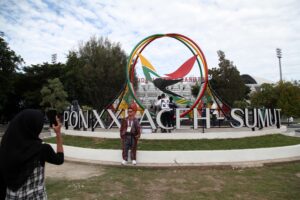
(266, 97)
(283, 95)
(195, 90)
(32, 80)
(227, 82)
(9, 63)
(289, 98)
(241, 104)
(96, 72)
(54, 96)
(73, 78)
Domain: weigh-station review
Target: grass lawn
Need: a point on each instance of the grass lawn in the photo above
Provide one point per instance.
(277, 182)
(201, 144)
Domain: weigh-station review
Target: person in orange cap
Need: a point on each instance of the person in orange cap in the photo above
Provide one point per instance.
(130, 132)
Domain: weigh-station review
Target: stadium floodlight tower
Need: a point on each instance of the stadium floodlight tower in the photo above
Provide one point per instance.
(279, 56)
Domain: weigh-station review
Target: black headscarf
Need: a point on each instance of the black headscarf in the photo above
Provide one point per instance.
(21, 147)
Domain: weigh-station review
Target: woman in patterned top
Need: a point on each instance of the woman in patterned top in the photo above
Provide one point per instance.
(23, 157)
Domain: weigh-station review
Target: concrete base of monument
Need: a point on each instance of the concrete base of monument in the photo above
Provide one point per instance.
(233, 158)
(185, 133)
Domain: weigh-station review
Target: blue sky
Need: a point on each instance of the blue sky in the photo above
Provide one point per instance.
(247, 31)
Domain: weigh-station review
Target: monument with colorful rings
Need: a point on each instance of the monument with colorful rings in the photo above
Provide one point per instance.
(260, 118)
(171, 78)
(207, 105)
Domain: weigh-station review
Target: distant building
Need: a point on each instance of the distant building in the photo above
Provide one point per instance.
(254, 82)
(148, 93)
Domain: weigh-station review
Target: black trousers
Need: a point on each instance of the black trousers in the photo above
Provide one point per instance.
(166, 119)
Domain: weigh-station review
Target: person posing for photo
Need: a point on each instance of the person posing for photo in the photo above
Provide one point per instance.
(130, 132)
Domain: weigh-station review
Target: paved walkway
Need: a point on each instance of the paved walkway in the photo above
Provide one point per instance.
(73, 171)
(239, 157)
(213, 133)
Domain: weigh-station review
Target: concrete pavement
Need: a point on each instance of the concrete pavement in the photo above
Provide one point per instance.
(234, 158)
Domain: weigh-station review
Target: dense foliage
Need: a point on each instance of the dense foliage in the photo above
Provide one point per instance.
(93, 75)
(283, 95)
(54, 96)
(9, 64)
(227, 82)
(96, 72)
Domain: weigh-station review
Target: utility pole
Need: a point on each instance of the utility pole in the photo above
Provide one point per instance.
(279, 55)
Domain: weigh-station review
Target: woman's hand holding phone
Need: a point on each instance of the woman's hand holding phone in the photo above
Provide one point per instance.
(57, 126)
(57, 130)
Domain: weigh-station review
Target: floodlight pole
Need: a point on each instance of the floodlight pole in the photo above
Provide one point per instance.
(279, 55)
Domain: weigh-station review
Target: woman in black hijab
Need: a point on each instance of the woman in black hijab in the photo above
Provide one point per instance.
(23, 157)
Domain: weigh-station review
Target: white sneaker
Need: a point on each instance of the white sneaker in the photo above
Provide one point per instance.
(134, 162)
(124, 162)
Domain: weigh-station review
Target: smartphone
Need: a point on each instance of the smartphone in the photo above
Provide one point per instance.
(51, 114)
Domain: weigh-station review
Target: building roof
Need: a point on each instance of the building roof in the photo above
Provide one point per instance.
(254, 80)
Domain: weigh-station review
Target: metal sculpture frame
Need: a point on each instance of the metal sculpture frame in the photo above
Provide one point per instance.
(190, 44)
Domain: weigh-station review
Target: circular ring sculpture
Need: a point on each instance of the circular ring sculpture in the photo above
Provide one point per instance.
(190, 44)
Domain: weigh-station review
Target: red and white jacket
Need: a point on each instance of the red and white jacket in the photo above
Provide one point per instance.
(135, 128)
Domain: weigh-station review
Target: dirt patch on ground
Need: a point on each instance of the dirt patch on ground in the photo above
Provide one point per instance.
(73, 171)
(214, 184)
(298, 175)
(155, 192)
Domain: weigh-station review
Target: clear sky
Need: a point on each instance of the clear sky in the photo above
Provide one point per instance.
(247, 31)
